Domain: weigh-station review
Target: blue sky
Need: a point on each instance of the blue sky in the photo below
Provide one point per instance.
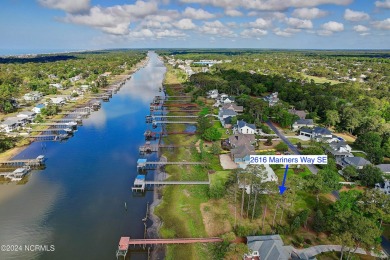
(50, 25)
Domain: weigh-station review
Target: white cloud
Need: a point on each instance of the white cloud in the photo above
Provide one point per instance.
(333, 26)
(360, 28)
(143, 33)
(298, 23)
(383, 4)
(309, 13)
(170, 33)
(216, 28)
(324, 32)
(253, 33)
(70, 6)
(267, 5)
(383, 25)
(286, 32)
(185, 24)
(260, 23)
(355, 16)
(115, 19)
(233, 12)
(197, 14)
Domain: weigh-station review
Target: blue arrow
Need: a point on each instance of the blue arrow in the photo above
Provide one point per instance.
(282, 188)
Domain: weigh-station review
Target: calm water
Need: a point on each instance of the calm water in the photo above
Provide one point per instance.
(77, 202)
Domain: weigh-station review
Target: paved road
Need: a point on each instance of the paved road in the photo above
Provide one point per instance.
(292, 147)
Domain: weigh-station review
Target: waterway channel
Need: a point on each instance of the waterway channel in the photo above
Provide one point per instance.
(77, 203)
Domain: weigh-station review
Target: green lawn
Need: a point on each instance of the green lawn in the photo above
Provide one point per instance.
(360, 154)
(296, 140)
(322, 80)
(219, 178)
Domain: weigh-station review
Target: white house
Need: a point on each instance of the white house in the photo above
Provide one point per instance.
(28, 115)
(228, 100)
(32, 96)
(10, 124)
(243, 127)
(318, 134)
(213, 93)
(59, 101)
(302, 123)
(37, 108)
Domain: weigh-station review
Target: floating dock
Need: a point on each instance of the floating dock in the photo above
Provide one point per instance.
(39, 161)
(140, 183)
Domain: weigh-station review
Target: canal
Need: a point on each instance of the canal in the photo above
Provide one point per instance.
(77, 203)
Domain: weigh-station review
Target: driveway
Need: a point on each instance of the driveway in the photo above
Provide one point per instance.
(292, 147)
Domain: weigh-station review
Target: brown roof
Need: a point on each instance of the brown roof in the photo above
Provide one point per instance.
(234, 107)
(241, 139)
(300, 113)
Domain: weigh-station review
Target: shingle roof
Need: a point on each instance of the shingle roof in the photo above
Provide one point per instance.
(242, 123)
(241, 139)
(384, 167)
(304, 122)
(357, 161)
(269, 247)
(242, 151)
(228, 112)
(321, 131)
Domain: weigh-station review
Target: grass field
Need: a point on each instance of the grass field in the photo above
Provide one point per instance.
(322, 80)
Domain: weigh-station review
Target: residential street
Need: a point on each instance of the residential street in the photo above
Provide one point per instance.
(312, 168)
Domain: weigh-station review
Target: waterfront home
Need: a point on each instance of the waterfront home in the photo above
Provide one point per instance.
(28, 115)
(234, 107)
(300, 113)
(240, 139)
(224, 115)
(10, 124)
(270, 247)
(18, 174)
(318, 134)
(241, 154)
(384, 187)
(298, 124)
(357, 162)
(385, 168)
(32, 96)
(243, 127)
(59, 101)
(212, 93)
(37, 108)
(339, 150)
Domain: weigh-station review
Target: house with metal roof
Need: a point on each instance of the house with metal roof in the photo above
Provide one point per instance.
(318, 134)
(269, 247)
(234, 107)
(10, 124)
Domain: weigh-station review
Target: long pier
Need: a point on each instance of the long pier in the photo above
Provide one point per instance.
(155, 147)
(44, 138)
(155, 122)
(125, 242)
(24, 162)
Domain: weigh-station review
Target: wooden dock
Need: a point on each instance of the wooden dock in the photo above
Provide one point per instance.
(45, 138)
(148, 148)
(144, 164)
(156, 122)
(140, 183)
(39, 161)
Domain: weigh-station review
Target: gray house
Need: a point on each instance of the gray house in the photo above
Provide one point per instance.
(225, 113)
(269, 247)
(357, 162)
(318, 134)
(385, 168)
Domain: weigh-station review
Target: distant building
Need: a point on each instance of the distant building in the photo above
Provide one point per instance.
(57, 85)
(232, 106)
(301, 113)
(298, 124)
(33, 96)
(213, 93)
(318, 134)
(10, 124)
(269, 247)
(384, 187)
(225, 116)
(272, 99)
(37, 108)
(28, 115)
(385, 168)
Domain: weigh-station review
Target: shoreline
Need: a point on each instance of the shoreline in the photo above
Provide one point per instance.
(15, 151)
